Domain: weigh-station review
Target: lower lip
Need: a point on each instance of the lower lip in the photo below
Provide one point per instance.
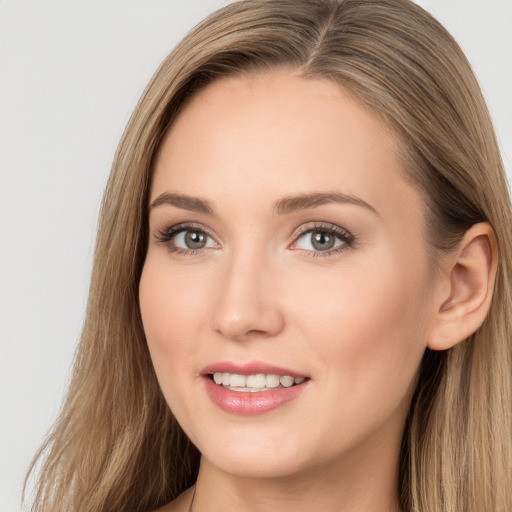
(251, 403)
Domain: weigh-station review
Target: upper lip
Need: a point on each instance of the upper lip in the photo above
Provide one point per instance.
(249, 368)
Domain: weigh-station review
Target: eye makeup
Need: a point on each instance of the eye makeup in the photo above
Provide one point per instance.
(186, 239)
(325, 239)
(317, 239)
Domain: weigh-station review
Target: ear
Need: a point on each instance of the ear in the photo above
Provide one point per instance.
(468, 274)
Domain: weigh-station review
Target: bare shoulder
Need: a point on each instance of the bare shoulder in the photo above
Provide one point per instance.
(180, 504)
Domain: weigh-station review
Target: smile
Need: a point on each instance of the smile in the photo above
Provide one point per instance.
(255, 383)
(252, 388)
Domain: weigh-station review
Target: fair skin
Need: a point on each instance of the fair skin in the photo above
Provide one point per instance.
(338, 290)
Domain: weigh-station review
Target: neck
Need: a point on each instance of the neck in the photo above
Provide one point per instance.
(339, 487)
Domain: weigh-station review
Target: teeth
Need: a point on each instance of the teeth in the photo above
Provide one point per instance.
(287, 381)
(272, 381)
(256, 382)
(247, 389)
(237, 381)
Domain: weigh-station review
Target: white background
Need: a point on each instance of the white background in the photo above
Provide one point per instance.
(71, 72)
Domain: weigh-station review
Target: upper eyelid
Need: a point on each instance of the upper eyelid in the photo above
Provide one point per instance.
(319, 226)
(187, 226)
(326, 226)
(168, 233)
(167, 236)
(297, 233)
(346, 237)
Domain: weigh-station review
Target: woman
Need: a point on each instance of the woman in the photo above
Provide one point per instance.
(301, 281)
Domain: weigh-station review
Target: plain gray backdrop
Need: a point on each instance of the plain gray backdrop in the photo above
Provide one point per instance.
(71, 72)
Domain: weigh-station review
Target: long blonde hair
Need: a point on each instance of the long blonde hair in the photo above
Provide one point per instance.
(116, 446)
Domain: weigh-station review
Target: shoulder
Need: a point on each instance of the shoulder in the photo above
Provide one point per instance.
(180, 504)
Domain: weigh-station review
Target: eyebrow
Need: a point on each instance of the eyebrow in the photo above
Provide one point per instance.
(306, 201)
(283, 206)
(193, 204)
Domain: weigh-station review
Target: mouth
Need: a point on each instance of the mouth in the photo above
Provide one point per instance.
(252, 388)
(255, 382)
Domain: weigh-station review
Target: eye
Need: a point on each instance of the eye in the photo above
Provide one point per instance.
(186, 239)
(192, 239)
(323, 239)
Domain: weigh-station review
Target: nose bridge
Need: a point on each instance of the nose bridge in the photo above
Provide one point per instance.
(246, 305)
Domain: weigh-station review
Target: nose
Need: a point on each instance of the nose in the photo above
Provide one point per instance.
(247, 305)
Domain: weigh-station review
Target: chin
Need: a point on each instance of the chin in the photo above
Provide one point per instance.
(252, 465)
(253, 455)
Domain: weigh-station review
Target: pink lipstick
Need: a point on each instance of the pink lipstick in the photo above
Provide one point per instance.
(252, 388)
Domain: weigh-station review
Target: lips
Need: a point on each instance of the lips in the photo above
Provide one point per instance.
(252, 388)
(255, 382)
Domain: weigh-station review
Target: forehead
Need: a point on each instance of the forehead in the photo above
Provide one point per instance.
(278, 134)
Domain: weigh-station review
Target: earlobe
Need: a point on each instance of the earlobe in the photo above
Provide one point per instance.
(470, 274)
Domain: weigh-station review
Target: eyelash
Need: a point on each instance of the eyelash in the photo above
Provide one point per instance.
(347, 238)
(166, 237)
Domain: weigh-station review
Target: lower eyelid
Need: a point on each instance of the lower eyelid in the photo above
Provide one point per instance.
(168, 235)
(341, 234)
(179, 237)
(325, 254)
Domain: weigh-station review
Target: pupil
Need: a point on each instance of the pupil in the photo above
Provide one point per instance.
(322, 241)
(195, 240)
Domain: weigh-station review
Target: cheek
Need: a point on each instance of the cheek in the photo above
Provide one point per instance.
(385, 297)
(367, 321)
(171, 299)
(364, 329)
(170, 308)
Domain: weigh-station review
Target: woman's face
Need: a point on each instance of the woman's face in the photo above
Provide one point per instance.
(285, 247)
